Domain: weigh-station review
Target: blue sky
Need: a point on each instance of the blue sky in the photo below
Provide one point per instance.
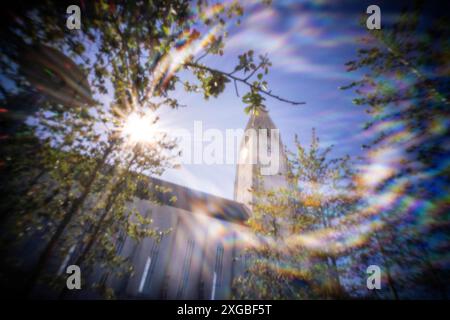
(308, 44)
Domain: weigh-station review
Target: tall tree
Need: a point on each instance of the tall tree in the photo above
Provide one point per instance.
(405, 88)
(287, 222)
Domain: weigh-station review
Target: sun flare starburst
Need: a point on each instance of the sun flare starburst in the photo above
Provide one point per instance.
(140, 128)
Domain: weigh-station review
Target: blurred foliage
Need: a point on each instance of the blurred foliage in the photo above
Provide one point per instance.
(405, 88)
(280, 267)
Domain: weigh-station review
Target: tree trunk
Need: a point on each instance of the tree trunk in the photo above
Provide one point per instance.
(76, 205)
(109, 204)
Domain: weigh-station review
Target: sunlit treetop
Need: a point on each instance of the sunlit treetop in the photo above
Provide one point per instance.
(133, 51)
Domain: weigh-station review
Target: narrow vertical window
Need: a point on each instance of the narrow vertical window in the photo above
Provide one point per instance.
(120, 241)
(218, 267)
(213, 289)
(186, 268)
(144, 274)
(62, 268)
(149, 267)
(154, 255)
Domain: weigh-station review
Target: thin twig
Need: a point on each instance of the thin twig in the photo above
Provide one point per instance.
(201, 57)
(236, 88)
(253, 72)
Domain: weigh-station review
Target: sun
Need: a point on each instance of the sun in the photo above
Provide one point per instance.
(141, 128)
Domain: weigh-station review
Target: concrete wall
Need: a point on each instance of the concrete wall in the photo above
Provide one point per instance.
(198, 259)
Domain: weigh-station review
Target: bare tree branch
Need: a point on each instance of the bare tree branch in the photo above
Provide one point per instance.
(244, 81)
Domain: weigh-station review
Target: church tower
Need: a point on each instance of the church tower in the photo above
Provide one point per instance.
(262, 159)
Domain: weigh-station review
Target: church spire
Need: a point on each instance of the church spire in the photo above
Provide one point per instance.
(262, 158)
